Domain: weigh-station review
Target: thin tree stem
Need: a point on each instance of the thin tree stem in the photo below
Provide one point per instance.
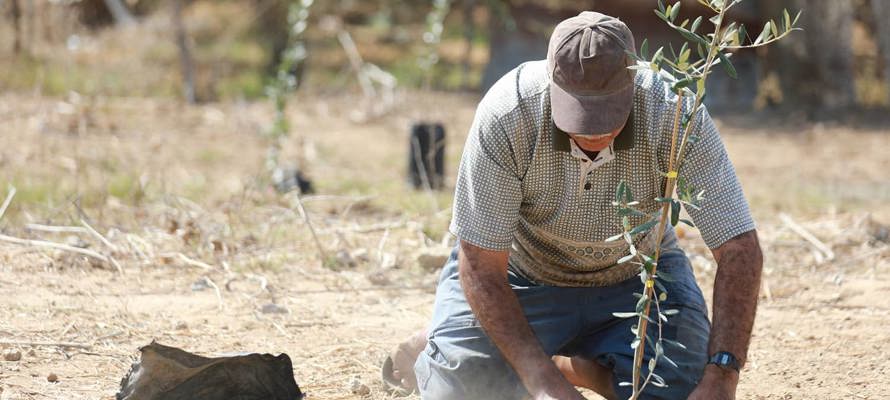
(674, 161)
(668, 189)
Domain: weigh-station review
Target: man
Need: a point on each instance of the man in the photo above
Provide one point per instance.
(524, 306)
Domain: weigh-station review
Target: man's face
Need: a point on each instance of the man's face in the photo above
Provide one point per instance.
(595, 142)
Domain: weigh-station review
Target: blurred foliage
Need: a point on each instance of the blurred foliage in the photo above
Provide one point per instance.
(237, 43)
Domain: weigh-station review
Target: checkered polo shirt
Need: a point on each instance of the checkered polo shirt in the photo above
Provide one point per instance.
(519, 188)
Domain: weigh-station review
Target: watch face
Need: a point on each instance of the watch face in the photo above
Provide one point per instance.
(725, 360)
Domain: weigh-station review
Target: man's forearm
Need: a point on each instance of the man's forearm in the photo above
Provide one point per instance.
(736, 287)
(500, 315)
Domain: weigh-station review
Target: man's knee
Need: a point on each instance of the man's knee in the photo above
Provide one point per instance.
(465, 374)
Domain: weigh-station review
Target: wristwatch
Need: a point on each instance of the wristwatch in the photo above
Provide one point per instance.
(725, 360)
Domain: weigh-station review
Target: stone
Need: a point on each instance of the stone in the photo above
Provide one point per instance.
(272, 308)
(12, 355)
(344, 259)
(359, 388)
(200, 285)
(432, 258)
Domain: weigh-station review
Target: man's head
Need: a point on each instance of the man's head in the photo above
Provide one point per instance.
(591, 89)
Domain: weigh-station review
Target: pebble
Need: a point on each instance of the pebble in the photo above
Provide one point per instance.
(360, 388)
(344, 259)
(12, 355)
(52, 377)
(273, 308)
(433, 258)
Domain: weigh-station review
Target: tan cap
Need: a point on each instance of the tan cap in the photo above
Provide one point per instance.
(591, 88)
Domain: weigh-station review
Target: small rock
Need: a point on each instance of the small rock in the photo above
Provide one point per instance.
(433, 258)
(379, 278)
(76, 241)
(52, 377)
(344, 259)
(167, 259)
(32, 353)
(273, 308)
(878, 231)
(217, 245)
(200, 285)
(12, 355)
(359, 388)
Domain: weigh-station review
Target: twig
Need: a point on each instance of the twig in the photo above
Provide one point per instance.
(215, 289)
(331, 197)
(97, 235)
(7, 201)
(116, 265)
(189, 261)
(64, 247)
(108, 336)
(380, 247)
(309, 324)
(806, 235)
(275, 324)
(357, 64)
(66, 330)
(367, 228)
(55, 229)
(305, 216)
(133, 241)
(46, 344)
(764, 283)
(358, 289)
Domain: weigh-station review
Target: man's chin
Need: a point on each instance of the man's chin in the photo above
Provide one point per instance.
(593, 146)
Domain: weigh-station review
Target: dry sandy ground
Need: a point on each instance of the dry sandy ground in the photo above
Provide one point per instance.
(175, 190)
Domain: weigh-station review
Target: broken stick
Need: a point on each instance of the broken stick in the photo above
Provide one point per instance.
(7, 201)
(63, 247)
(806, 235)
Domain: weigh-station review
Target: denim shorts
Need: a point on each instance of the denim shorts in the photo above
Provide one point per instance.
(461, 362)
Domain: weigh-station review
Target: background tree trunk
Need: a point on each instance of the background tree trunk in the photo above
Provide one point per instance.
(469, 34)
(829, 29)
(185, 55)
(881, 10)
(815, 68)
(520, 32)
(17, 26)
(119, 12)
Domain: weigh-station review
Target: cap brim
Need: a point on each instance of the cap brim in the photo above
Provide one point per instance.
(590, 115)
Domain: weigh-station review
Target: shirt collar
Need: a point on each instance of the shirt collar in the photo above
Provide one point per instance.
(624, 141)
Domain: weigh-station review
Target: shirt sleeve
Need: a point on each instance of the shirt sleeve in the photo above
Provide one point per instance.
(488, 192)
(724, 212)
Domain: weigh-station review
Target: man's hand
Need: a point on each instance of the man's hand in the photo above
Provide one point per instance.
(716, 384)
(556, 387)
(483, 277)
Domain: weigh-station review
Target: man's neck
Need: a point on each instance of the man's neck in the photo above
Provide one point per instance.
(590, 154)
